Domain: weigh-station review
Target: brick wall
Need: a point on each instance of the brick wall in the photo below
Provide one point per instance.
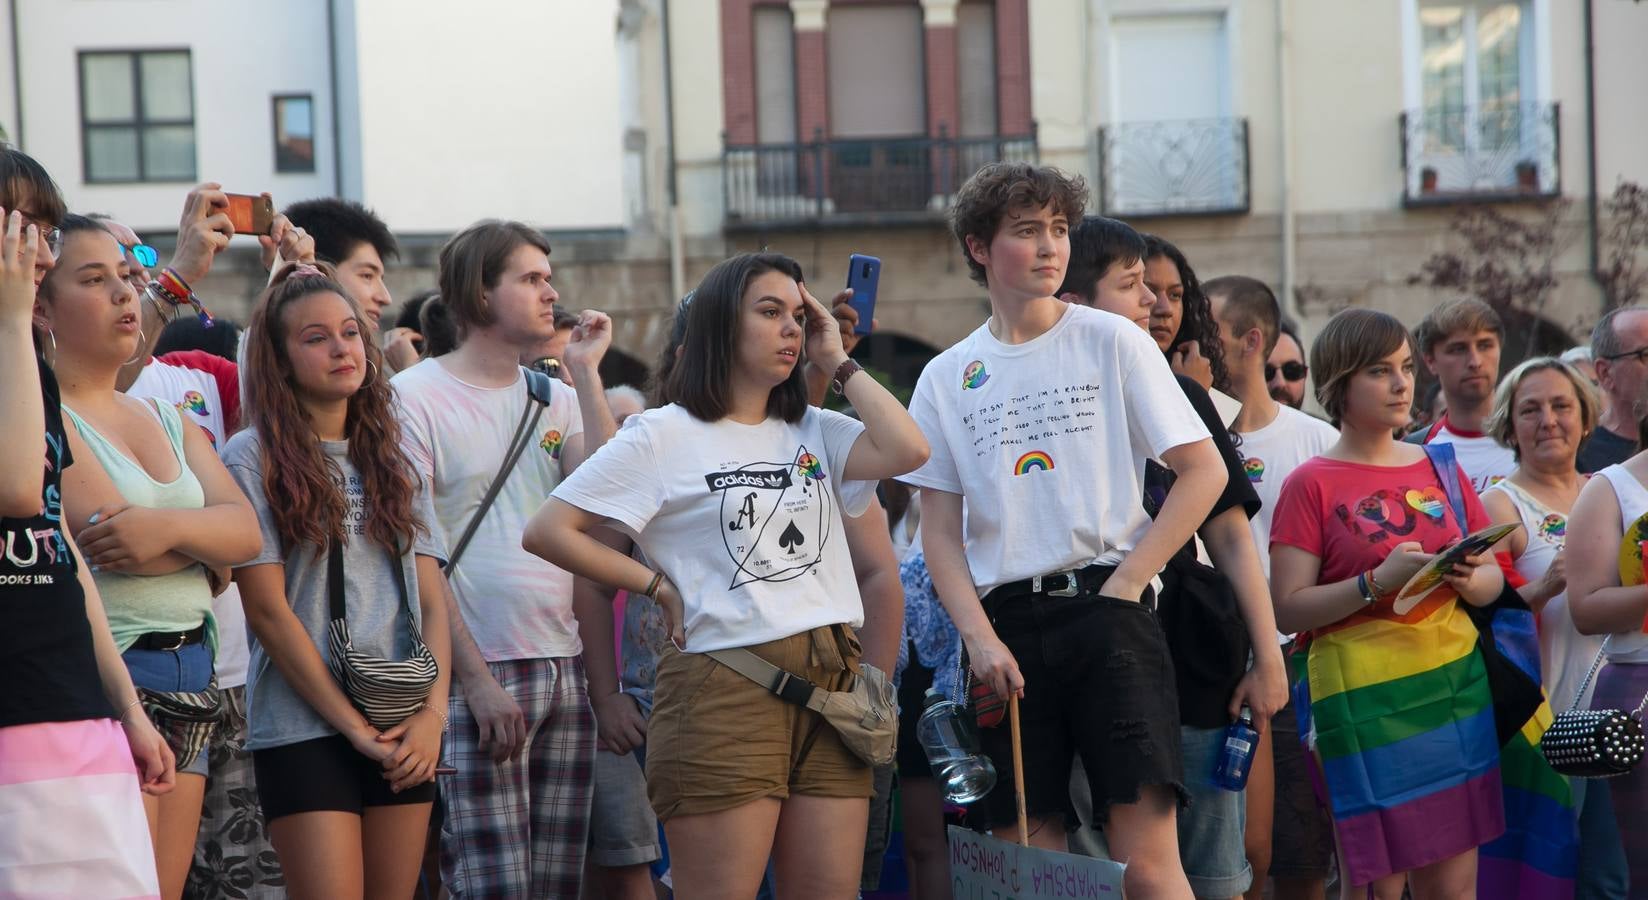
(1013, 66)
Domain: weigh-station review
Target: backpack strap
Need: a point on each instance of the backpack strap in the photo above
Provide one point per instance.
(1447, 471)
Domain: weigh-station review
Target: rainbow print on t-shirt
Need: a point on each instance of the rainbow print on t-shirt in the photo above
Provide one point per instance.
(810, 466)
(193, 402)
(974, 375)
(1035, 460)
(551, 443)
(1255, 469)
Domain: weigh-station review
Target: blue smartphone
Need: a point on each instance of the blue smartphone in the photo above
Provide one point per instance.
(863, 276)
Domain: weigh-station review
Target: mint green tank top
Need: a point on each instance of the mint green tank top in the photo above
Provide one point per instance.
(139, 604)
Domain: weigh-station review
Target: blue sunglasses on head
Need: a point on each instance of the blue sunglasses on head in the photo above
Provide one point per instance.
(144, 254)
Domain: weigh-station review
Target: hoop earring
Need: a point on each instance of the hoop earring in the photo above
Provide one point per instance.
(371, 373)
(53, 361)
(139, 354)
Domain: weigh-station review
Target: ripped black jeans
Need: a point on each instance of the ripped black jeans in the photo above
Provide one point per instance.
(1097, 681)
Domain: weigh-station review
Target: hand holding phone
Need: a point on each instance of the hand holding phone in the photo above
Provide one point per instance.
(863, 279)
(251, 213)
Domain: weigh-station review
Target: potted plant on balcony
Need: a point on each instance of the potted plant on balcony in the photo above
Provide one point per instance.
(1427, 180)
(1527, 176)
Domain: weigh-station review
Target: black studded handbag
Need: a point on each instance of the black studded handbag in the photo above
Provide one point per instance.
(1594, 743)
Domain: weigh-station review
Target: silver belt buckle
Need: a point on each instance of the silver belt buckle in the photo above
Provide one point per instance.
(1072, 585)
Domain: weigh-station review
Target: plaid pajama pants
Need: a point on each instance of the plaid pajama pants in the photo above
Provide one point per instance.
(520, 829)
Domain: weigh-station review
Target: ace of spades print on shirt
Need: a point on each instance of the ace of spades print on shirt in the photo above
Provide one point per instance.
(775, 517)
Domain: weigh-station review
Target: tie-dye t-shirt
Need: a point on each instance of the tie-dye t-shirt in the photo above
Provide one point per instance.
(515, 605)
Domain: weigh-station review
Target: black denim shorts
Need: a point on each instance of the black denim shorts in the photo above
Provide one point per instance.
(1098, 681)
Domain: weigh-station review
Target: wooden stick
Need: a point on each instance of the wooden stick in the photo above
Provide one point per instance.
(1018, 770)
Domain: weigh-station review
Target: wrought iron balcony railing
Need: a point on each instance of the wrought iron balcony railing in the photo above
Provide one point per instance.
(855, 181)
(1174, 168)
(1481, 153)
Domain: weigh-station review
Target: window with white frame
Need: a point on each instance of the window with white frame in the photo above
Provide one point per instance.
(1478, 125)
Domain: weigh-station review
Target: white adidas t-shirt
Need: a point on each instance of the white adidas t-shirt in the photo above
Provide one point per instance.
(515, 605)
(744, 519)
(1269, 456)
(197, 394)
(1047, 441)
(1485, 461)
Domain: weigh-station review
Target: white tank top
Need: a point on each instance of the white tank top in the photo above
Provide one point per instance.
(1628, 646)
(1564, 654)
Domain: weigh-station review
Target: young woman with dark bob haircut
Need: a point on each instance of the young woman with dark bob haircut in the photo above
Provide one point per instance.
(736, 490)
(1415, 789)
(347, 801)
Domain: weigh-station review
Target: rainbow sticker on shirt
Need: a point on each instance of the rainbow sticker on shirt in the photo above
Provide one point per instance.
(974, 376)
(1255, 469)
(810, 466)
(193, 402)
(551, 443)
(1554, 528)
(1034, 461)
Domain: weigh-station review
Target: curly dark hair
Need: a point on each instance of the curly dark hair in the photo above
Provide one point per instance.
(308, 504)
(1197, 323)
(1000, 188)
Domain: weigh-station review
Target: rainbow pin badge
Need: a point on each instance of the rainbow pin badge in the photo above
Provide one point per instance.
(974, 376)
(193, 402)
(552, 443)
(1034, 461)
(810, 466)
(1255, 469)
(1554, 528)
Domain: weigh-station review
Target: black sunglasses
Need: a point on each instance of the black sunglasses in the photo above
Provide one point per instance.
(1292, 371)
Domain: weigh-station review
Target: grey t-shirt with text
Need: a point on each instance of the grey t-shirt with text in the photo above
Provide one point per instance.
(276, 714)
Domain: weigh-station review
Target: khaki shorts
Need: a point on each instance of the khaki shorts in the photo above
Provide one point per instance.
(717, 740)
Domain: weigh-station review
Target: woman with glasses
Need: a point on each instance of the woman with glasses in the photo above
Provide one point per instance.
(77, 756)
(158, 515)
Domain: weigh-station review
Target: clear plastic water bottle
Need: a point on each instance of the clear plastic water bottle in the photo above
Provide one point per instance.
(1236, 757)
(950, 740)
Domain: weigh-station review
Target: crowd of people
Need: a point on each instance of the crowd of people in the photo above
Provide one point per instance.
(343, 605)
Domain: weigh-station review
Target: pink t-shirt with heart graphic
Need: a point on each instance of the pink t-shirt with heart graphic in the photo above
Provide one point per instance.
(1351, 515)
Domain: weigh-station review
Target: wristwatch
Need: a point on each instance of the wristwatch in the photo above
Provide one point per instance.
(846, 370)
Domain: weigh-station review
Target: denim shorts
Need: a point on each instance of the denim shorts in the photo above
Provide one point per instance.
(1211, 829)
(188, 668)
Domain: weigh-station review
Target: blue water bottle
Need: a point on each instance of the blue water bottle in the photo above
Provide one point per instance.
(1236, 757)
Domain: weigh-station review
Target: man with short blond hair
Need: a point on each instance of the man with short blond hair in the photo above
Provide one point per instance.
(1460, 343)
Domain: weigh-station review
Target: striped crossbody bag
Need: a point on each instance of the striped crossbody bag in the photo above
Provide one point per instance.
(386, 691)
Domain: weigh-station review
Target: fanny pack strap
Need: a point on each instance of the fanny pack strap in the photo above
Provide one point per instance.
(787, 687)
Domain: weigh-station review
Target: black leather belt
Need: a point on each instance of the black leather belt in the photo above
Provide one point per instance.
(170, 640)
(1063, 583)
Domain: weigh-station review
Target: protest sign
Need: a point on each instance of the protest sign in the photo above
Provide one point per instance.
(984, 868)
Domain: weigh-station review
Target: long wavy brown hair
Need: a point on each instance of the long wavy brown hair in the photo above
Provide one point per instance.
(300, 482)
